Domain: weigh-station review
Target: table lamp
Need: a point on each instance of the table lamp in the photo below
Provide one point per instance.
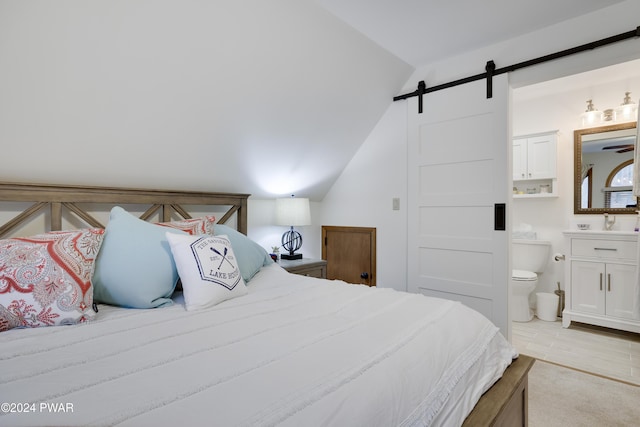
(292, 212)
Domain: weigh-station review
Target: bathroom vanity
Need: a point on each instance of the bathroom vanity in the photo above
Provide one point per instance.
(600, 278)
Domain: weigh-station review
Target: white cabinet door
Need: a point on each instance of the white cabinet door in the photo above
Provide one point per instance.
(534, 157)
(620, 292)
(587, 287)
(519, 159)
(541, 157)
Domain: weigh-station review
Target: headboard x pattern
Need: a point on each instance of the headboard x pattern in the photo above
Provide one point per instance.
(57, 197)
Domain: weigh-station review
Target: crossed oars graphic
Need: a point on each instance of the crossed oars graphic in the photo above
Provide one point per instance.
(224, 257)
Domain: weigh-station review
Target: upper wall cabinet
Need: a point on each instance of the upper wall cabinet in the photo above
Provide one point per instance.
(534, 165)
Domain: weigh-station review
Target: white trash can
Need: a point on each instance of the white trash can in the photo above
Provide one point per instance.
(547, 306)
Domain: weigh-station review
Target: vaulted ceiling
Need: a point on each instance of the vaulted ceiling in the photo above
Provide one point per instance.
(424, 31)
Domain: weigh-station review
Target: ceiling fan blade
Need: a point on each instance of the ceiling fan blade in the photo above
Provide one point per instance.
(624, 150)
(617, 147)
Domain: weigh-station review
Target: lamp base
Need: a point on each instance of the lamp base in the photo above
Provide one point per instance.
(288, 256)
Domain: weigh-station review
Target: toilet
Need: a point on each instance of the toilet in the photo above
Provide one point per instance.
(528, 258)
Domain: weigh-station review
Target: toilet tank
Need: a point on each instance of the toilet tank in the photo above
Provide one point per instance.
(530, 255)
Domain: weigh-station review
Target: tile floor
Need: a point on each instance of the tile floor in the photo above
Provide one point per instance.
(610, 353)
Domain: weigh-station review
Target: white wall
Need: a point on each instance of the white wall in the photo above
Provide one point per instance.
(362, 195)
(267, 98)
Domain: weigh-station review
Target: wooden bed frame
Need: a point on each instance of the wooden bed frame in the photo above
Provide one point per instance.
(505, 404)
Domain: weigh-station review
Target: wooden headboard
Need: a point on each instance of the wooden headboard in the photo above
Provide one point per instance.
(58, 198)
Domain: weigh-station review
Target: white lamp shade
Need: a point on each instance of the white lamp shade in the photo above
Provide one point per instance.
(626, 112)
(293, 212)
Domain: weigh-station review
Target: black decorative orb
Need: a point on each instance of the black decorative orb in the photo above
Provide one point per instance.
(291, 241)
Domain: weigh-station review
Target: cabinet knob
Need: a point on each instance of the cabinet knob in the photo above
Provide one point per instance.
(364, 275)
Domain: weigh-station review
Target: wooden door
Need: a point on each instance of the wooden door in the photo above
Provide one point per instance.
(459, 184)
(350, 253)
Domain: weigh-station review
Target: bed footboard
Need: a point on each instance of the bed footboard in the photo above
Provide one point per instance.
(505, 404)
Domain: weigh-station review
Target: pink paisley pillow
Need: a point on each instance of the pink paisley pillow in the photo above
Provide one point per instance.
(194, 226)
(45, 280)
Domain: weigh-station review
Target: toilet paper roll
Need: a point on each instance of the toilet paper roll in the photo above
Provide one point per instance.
(558, 257)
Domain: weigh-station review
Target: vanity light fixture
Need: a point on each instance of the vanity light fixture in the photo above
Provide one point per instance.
(627, 110)
(608, 115)
(591, 116)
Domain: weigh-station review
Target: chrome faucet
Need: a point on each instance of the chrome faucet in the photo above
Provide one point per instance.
(608, 223)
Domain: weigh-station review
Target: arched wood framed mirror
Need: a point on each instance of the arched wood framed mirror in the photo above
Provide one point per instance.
(603, 169)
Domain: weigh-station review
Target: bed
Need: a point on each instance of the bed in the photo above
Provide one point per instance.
(266, 347)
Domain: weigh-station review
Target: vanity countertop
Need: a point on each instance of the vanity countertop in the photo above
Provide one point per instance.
(601, 233)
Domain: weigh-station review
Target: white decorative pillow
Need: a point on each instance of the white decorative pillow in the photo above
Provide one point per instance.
(45, 280)
(208, 269)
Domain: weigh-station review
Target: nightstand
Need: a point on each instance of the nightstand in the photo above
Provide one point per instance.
(306, 267)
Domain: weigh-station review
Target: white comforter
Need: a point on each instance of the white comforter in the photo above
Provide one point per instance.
(295, 351)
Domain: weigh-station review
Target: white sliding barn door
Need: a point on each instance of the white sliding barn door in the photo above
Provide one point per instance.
(459, 150)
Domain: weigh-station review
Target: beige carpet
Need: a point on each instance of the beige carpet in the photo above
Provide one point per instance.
(565, 397)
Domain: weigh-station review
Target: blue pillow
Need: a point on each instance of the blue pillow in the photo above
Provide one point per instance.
(250, 255)
(134, 267)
